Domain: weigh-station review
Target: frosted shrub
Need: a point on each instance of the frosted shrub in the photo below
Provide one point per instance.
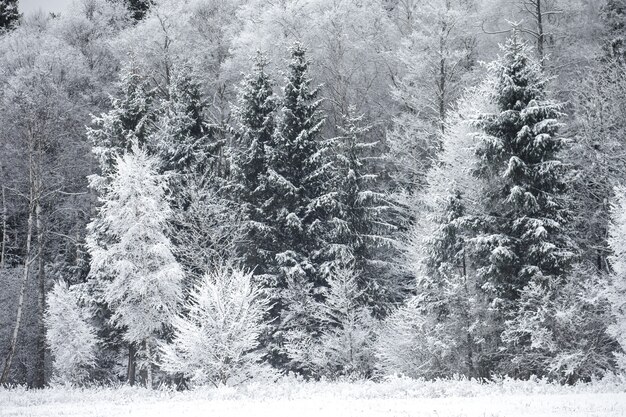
(70, 336)
(344, 347)
(414, 344)
(216, 342)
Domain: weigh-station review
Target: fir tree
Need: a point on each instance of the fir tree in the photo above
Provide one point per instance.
(129, 247)
(255, 113)
(437, 332)
(9, 14)
(298, 206)
(295, 177)
(182, 137)
(362, 229)
(522, 234)
(129, 121)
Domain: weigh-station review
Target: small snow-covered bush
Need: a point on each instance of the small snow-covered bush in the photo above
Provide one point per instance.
(345, 346)
(216, 341)
(413, 344)
(70, 335)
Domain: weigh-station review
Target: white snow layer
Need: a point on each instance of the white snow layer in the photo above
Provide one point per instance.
(394, 397)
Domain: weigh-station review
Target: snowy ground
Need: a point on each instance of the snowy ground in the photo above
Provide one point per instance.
(398, 397)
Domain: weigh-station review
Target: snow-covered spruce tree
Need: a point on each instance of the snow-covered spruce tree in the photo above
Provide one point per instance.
(129, 121)
(70, 335)
(617, 293)
(523, 237)
(299, 204)
(182, 138)
(255, 113)
(362, 231)
(9, 14)
(217, 340)
(437, 333)
(129, 247)
(345, 347)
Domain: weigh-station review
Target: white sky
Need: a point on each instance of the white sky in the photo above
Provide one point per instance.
(28, 6)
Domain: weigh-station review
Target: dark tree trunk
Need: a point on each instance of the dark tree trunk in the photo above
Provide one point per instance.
(132, 362)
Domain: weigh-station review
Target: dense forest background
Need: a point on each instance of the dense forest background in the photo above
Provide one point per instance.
(213, 191)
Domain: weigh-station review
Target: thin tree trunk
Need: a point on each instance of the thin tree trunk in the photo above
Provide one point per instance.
(468, 336)
(149, 360)
(40, 362)
(130, 376)
(540, 34)
(20, 304)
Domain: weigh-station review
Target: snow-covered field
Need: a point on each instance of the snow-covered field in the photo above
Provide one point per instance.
(396, 397)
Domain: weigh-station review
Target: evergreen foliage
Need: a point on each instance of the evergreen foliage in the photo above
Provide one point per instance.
(256, 114)
(138, 8)
(131, 256)
(524, 232)
(614, 16)
(182, 137)
(298, 207)
(523, 239)
(128, 122)
(9, 14)
(363, 230)
(441, 330)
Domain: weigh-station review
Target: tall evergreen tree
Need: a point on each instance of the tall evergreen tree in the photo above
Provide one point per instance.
(523, 235)
(256, 112)
(299, 202)
(295, 176)
(182, 138)
(9, 14)
(129, 121)
(127, 242)
(362, 229)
